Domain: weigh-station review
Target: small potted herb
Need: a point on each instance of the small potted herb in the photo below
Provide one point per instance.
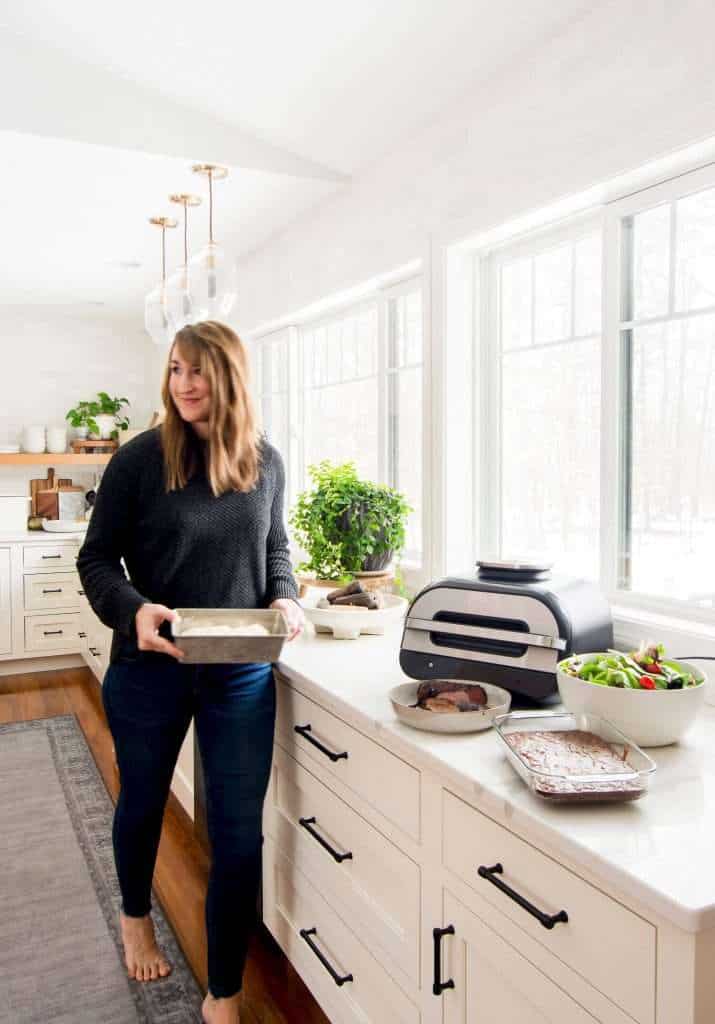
(348, 525)
(101, 418)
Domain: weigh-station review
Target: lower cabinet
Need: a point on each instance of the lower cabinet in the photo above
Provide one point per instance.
(487, 981)
(5, 603)
(452, 917)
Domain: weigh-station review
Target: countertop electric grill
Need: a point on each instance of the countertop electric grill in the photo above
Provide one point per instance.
(504, 625)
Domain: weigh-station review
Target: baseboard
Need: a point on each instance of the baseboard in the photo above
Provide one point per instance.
(44, 664)
(183, 791)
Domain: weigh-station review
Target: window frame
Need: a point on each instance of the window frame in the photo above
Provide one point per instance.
(633, 611)
(296, 470)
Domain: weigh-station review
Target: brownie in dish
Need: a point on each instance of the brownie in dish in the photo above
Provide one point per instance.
(575, 765)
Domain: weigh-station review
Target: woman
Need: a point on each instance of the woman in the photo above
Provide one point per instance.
(194, 507)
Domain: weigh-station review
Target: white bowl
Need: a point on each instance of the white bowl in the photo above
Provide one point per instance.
(64, 525)
(348, 623)
(651, 718)
(404, 697)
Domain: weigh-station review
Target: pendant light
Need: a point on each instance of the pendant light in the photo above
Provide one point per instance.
(156, 316)
(212, 272)
(178, 297)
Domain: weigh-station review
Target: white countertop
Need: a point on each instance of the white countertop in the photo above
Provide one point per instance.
(13, 536)
(660, 849)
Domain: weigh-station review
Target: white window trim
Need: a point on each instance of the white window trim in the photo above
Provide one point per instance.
(415, 574)
(456, 261)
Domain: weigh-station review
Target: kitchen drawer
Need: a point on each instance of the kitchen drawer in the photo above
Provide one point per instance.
(51, 590)
(51, 632)
(386, 782)
(48, 557)
(600, 938)
(366, 877)
(291, 906)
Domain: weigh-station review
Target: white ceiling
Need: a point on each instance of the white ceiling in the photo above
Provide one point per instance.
(105, 107)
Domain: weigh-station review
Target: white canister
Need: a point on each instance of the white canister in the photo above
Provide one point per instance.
(33, 439)
(57, 440)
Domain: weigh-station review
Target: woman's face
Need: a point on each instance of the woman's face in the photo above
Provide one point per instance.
(190, 391)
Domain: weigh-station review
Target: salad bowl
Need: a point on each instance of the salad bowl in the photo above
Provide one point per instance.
(650, 714)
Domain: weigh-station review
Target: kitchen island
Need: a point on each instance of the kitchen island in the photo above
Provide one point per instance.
(376, 834)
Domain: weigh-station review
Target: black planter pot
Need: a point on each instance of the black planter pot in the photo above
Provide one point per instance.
(378, 559)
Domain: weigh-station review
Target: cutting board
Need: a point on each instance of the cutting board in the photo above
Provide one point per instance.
(48, 484)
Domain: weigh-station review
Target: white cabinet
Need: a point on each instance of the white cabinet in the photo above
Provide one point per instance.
(489, 981)
(367, 855)
(5, 602)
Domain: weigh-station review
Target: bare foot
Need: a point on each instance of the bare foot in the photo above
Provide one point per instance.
(220, 1011)
(144, 959)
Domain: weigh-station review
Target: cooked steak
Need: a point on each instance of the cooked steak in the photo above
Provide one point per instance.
(450, 693)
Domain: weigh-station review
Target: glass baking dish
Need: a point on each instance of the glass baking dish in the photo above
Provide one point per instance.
(558, 784)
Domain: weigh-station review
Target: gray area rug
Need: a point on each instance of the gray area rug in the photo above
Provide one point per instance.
(61, 959)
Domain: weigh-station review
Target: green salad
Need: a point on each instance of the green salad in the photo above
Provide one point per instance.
(645, 669)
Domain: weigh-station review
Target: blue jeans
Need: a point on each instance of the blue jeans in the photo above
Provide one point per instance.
(149, 701)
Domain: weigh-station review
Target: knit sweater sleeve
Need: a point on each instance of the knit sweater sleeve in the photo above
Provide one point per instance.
(279, 575)
(111, 595)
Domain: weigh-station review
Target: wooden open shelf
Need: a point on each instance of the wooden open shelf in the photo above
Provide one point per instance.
(48, 459)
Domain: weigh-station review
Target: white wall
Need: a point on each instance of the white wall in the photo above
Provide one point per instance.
(623, 85)
(53, 356)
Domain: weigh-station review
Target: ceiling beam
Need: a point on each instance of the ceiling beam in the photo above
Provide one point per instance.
(47, 93)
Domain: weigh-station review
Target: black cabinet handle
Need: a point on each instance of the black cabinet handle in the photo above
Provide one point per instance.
(438, 985)
(335, 854)
(51, 556)
(93, 651)
(81, 593)
(82, 635)
(547, 920)
(339, 979)
(57, 590)
(51, 632)
(303, 731)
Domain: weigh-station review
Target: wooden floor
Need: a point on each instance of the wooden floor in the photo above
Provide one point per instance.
(273, 993)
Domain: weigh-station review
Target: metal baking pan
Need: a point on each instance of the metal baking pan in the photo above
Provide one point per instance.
(227, 649)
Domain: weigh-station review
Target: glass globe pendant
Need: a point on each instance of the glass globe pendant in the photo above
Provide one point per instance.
(213, 275)
(180, 306)
(156, 316)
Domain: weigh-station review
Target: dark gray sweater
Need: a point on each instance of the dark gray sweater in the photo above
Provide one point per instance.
(185, 549)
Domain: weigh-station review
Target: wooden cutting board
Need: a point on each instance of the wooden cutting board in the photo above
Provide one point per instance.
(48, 484)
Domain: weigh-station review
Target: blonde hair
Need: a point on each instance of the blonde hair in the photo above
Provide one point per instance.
(232, 455)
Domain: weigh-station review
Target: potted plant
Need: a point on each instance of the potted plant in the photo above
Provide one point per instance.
(347, 525)
(102, 417)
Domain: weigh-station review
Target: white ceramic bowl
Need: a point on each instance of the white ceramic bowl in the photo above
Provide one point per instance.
(404, 697)
(350, 623)
(651, 718)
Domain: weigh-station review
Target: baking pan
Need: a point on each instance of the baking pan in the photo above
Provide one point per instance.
(205, 647)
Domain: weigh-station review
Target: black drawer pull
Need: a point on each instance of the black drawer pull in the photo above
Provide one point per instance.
(81, 593)
(547, 920)
(94, 651)
(339, 979)
(335, 854)
(51, 556)
(58, 590)
(303, 731)
(82, 635)
(438, 985)
(51, 632)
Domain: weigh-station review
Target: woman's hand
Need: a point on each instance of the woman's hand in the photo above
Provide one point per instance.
(147, 620)
(293, 614)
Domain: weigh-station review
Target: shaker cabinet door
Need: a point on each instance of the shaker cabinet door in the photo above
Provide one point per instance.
(493, 982)
(5, 610)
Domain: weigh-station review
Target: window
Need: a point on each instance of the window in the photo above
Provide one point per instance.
(348, 387)
(545, 397)
(598, 428)
(666, 337)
